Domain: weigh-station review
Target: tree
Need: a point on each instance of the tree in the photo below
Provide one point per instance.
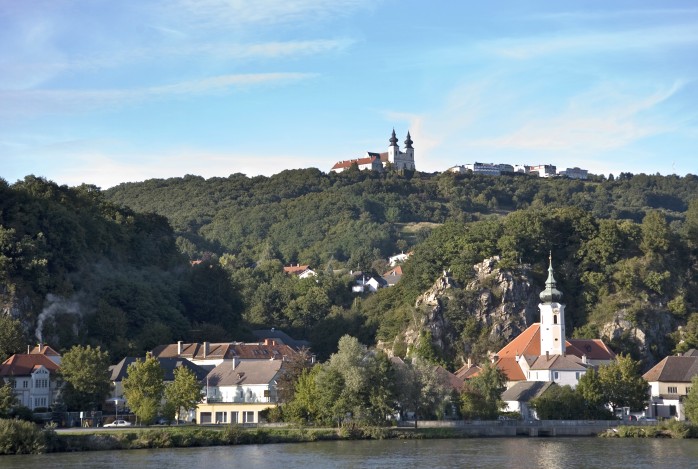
(291, 372)
(11, 337)
(85, 372)
(622, 384)
(8, 400)
(690, 403)
(144, 387)
(184, 392)
(482, 395)
(419, 389)
(559, 403)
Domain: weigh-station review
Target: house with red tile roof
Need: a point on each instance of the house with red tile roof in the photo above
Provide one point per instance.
(670, 382)
(34, 378)
(300, 271)
(213, 354)
(48, 351)
(543, 353)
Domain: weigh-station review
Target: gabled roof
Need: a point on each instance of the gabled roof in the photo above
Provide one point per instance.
(268, 349)
(244, 373)
(594, 349)
(558, 362)
(44, 350)
(511, 369)
(526, 390)
(359, 161)
(466, 371)
(296, 269)
(673, 370)
(24, 364)
(168, 365)
(449, 379)
(526, 343)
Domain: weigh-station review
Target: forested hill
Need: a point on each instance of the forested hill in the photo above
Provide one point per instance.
(310, 217)
(74, 268)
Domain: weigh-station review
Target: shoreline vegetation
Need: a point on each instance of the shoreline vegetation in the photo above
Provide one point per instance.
(20, 437)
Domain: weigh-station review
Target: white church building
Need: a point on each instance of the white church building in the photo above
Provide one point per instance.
(399, 160)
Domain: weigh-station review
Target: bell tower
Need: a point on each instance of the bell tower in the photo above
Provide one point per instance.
(552, 317)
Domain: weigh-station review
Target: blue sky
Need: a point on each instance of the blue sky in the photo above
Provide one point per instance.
(104, 92)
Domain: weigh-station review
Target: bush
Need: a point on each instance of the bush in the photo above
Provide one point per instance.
(21, 437)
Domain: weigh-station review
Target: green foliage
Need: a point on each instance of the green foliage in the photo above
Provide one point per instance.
(85, 373)
(21, 437)
(8, 400)
(690, 403)
(11, 337)
(622, 385)
(482, 395)
(184, 392)
(144, 388)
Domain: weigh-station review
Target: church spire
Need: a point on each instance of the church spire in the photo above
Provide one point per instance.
(408, 140)
(393, 140)
(550, 294)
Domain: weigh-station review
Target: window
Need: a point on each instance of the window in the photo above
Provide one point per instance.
(555, 319)
(672, 390)
(234, 417)
(205, 417)
(556, 375)
(248, 417)
(221, 417)
(688, 389)
(267, 393)
(25, 384)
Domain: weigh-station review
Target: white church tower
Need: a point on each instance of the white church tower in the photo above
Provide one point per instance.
(552, 317)
(401, 160)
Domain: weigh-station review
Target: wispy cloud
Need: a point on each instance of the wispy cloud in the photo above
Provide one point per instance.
(602, 119)
(266, 12)
(14, 104)
(547, 44)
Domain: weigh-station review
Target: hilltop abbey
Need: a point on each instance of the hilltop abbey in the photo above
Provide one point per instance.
(377, 161)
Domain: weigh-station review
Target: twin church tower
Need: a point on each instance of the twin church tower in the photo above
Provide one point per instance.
(399, 160)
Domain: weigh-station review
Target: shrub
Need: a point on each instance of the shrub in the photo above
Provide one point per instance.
(21, 437)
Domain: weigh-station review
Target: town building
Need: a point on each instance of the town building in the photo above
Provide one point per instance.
(300, 271)
(34, 379)
(396, 159)
(210, 355)
(575, 173)
(393, 276)
(543, 170)
(237, 391)
(670, 382)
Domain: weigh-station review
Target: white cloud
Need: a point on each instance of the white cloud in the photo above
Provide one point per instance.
(14, 104)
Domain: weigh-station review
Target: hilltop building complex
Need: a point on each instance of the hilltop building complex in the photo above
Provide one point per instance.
(394, 158)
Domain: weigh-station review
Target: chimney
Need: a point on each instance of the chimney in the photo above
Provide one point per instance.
(235, 362)
(584, 359)
(179, 347)
(41, 347)
(205, 349)
(29, 349)
(547, 355)
(470, 362)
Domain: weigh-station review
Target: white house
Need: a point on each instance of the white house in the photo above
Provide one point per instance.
(398, 258)
(237, 391)
(518, 397)
(33, 377)
(670, 382)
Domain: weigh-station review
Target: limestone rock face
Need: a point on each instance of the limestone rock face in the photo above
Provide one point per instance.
(503, 300)
(648, 333)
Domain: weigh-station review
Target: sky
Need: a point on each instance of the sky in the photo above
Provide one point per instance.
(103, 92)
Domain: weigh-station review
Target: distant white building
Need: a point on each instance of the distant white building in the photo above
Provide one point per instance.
(543, 170)
(575, 173)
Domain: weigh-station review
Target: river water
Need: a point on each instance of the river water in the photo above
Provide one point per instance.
(544, 453)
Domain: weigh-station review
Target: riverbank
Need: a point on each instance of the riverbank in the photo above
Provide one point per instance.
(17, 437)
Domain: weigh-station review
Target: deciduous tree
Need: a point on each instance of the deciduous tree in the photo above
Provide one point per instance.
(85, 372)
(184, 392)
(144, 387)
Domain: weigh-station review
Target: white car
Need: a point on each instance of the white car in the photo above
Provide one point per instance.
(119, 423)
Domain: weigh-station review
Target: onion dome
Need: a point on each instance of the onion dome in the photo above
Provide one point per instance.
(393, 140)
(408, 140)
(550, 294)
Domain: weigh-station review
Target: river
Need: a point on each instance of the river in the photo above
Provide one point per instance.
(544, 453)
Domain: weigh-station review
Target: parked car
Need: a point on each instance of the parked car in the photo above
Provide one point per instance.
(646, 419)
(119, 423)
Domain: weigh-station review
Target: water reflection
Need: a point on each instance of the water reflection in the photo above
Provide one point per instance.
(546, 453)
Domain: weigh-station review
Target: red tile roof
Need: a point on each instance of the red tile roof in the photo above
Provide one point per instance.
(296, 269)
(466, 372)
(526, 343)
(359, 161)
(23, 364)
(270, 349)
(594, 349)
(511, 369)
(44, 350)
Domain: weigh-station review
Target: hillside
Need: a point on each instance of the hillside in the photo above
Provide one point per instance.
(90, 266)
